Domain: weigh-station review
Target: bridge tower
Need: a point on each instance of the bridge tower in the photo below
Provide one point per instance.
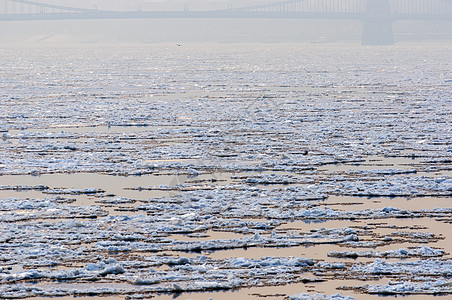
(377, 23)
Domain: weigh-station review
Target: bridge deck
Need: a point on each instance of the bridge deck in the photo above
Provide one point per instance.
(216, 15)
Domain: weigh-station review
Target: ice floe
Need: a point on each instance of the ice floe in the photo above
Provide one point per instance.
(439, 287)
(317, 296)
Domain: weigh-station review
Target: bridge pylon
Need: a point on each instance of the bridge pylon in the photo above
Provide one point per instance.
(377, 23)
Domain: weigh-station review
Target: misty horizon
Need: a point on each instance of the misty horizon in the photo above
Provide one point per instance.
(210, 30)
(157, 30)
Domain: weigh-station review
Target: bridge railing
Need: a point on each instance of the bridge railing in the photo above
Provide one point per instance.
(421, 7)
(308, 6)
(397, 7)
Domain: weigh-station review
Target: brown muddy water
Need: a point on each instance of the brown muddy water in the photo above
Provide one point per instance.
(114, 186)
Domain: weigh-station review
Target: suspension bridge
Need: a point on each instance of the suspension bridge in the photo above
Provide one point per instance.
(376, 15)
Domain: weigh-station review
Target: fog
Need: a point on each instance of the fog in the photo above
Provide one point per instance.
(200, 30)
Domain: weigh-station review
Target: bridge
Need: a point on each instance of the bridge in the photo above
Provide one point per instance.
(376, 15)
